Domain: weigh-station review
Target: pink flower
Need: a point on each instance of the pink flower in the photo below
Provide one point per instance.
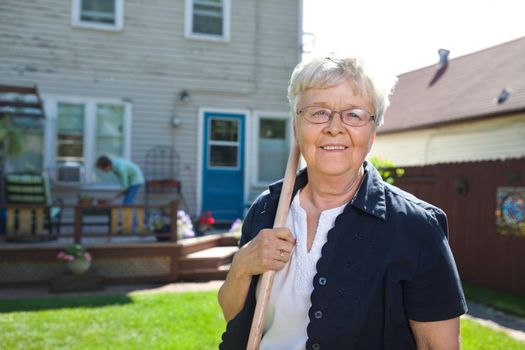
(73, 252)
(66, 257)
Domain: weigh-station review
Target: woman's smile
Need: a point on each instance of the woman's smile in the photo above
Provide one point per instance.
(334, 148)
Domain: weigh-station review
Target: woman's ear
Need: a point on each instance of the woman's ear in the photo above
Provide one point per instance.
(295, 132)
(371, 140)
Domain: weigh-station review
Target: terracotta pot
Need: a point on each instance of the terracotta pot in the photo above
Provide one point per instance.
(86, 201)
(78, 266)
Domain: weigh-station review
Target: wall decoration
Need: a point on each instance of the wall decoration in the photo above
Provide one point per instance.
(510, 211)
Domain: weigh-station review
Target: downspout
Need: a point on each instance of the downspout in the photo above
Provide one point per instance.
(299, 30)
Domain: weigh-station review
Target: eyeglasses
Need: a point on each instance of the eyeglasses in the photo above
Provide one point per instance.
(320, 115)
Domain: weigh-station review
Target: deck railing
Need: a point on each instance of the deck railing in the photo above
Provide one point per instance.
(39, 222)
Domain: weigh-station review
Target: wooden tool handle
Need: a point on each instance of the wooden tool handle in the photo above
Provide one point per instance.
(280, 221)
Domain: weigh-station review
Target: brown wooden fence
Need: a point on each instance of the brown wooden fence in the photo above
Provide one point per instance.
(467, 193)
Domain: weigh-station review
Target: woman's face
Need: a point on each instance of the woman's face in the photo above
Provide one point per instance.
(334, 148)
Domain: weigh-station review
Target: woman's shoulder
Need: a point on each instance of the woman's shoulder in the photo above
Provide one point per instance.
(418, 212)
(400, 199)
(260, 215)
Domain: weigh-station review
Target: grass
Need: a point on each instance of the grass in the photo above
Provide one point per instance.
(139, 321)
(149, 321)
(506, 302)
(475, 336)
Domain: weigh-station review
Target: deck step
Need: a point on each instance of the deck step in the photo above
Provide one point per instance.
(207, 258)
(208, 264)
(215, 252)
(205, 274)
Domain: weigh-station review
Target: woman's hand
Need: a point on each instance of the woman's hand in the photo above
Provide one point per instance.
(269, 250)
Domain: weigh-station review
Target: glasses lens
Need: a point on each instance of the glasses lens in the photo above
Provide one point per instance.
(317, 115)
(356, 117)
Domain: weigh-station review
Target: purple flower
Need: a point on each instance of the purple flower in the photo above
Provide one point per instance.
(237, 224)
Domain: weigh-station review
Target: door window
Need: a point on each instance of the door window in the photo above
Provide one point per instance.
(223, 143)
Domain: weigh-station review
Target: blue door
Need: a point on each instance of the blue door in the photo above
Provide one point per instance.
(223, 175)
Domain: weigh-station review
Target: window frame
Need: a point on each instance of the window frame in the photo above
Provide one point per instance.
(77, 22)
(257, 116)
(226, 24)
(90, 132)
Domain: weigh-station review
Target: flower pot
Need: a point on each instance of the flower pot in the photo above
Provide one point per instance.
(87, 201)
(163, 230)
(78, 266)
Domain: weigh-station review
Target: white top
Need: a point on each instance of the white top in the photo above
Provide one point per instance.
(286, 316)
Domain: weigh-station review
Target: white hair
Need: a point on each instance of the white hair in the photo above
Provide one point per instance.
(329, 71)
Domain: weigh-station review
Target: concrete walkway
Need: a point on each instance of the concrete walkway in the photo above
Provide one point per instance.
(512, 325)
(43, 292)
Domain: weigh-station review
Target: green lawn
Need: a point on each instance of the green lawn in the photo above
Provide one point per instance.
(139, 321)
(477, 337)
(147, 321)
(510, 303)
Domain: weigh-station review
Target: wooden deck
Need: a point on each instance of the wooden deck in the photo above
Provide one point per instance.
(121, 259)
(123, 243)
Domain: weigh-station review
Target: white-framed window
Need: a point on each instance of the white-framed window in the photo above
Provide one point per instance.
(98, 14)
(273, 141)
(78, 131)
(208, 19)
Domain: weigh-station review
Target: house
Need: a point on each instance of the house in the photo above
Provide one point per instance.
(206, 78)
(458, 129)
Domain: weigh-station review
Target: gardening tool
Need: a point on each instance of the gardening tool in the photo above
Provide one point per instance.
(280, 221)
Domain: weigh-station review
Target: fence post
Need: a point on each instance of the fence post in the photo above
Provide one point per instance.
(78, 225)
(173, 232)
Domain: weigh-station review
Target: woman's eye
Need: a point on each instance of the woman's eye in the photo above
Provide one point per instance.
(353, 115)
(321, 113)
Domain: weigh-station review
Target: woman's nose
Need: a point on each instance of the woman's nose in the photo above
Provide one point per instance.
(335, 124)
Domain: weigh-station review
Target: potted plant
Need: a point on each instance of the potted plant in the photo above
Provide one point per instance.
(161, 223)
(236, 229)
(205, 223)
(77, 259)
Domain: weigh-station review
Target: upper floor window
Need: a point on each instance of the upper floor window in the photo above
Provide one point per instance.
(208, 19)
(98, 14)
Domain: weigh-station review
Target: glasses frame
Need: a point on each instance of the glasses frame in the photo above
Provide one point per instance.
(332, 112)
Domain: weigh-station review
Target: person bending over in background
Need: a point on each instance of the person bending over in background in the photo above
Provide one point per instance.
(129, 176)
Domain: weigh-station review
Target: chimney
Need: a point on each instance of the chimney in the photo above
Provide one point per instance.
(442, 66)
(443, 57)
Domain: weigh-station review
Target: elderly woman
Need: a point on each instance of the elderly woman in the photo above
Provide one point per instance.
(360, 263)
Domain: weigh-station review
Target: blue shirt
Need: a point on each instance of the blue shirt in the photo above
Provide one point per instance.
(127, 172)
(386, 260)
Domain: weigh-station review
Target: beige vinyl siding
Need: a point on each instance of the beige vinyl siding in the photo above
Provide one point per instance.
(150, 61)
(488, 139)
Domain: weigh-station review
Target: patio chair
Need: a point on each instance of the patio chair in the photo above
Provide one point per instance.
(31, 212)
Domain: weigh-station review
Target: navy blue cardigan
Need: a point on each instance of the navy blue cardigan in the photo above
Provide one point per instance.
(386, 260)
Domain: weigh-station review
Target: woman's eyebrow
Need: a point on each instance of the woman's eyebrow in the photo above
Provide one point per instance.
(327, 105)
